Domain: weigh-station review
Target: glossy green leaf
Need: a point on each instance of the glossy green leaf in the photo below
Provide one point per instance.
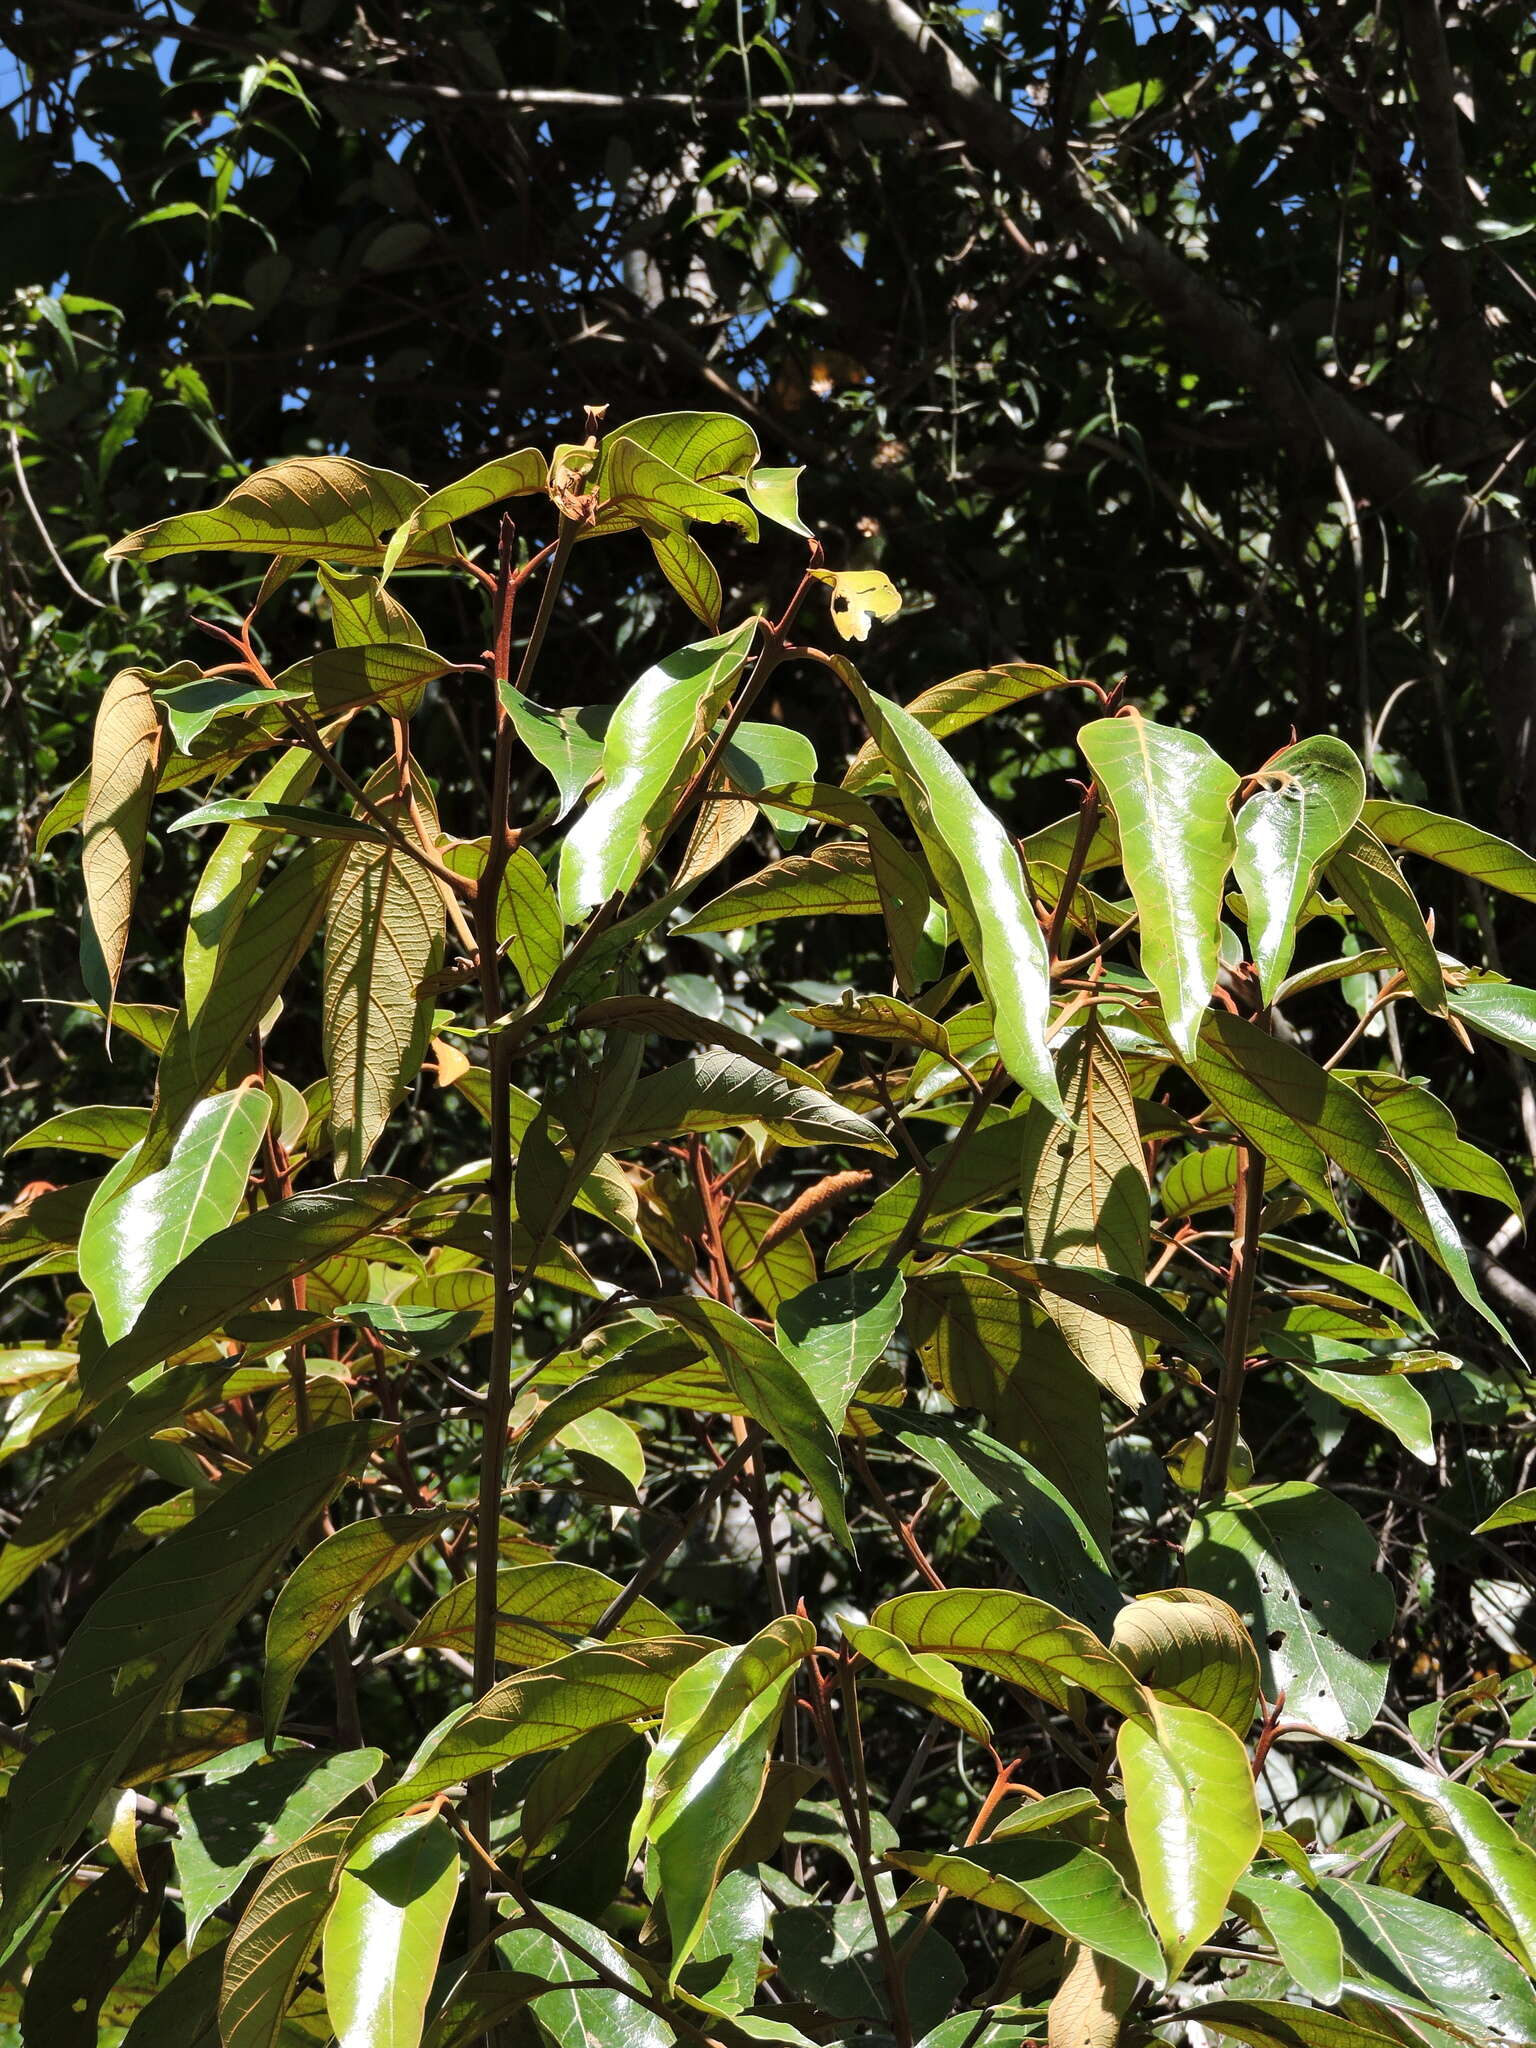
(1387, 1398)
(1192, 1819)
(1425, 1133)
(707, 1769)
(646, 756)
(1086, 1201)
(137, 1231)
(1476, 1848)
(239, 1267)
(384, 1934)
(1171, 797)
(250, 1809)
(723, 1091)
(336, 1576)
(1035, 1527)
(1519, 1508)
(162, 1619)
(583, 2010)
(982, 879)
(1498, 1010)
(1023, 1641)
(774, 1391)
(929, 1681)
(383, 938)
(1306, 1938)
(125, 758)
(1300, 1568)
(569, 744)
(829, 1957)
(1071, 1890)
(1367, 877)
(1308, 798)
(951, 706)
(1273, 2023)
(313, 507)
(1452, 843)
(191, 707)
(833, 1332)
(1421, 1954)
(775, 493)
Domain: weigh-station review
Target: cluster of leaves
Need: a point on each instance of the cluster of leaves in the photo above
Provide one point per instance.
(751, 1447)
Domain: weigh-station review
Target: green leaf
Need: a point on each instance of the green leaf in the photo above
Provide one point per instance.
(1347, 1273)
(833, 1332)
(184, 2012)
(774, 1392)
(190, 708)
(108, 1128)
(300, 820)
(228, 881)
(506, 476)
(1307, 1939)
(275, 1937)
(1309, 796)
(1024, 1642)
(951, 706)
(714, 448)
(837, 879)
(829, 1957)
(786, 1268)
(310, 507)
(568, 743)
(1172, 801)
(336, 1576)
(647, 752)
(592, 2012)
(538, 1711)
(929, 1681)
(1498, 1010)
(978, 869)
(972, 1332)
(1453, 844)
(1368, 879)
(1087, 1203)
(1071, 1890)
(1387, 1398)
(1271, 2023)
(162, 1619)
(239, 1267)
(1191, 1646)
(137, 1231)
(1519, 1508)
(722, 1091)
(1426, 1134)
(1035, 1527)
(391, 676)
(775, 493)
(364, 613)
(542, 1610)
(384, 1934)
(1300, 1568)
(885, 1017)
(251, 1808)
(1419, 1953)
(125, 761)
(383, 938)
(1476, 1848)
(1192, 1819)
(707, 1769)
(528, 921)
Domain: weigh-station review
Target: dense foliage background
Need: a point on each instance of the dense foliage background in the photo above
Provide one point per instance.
(1186, 345)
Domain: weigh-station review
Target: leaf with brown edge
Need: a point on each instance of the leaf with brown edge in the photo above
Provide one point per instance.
(324, 508)
(1025, 1642)
(126, 744)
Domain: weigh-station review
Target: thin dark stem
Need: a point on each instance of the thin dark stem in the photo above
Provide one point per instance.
(1242, 1274)
(1087, 822)
(648, 1573)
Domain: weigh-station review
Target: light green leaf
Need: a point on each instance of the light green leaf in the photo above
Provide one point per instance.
(108, 1128)
(1426, 1134)
(1499, 1010)
(837, 879)
(364, 613)
(1192, 1646)
(383, 937)
(775, 493)
(1347, 1273)
(1367, 877)
(951, 706)
(1192, 1819)
(542, 1611)
(567, 743)
(191, 707)
(336, 1576)
(884, 1017)
(275, 1937)
(1309, 796)
(300, 820)
(125, 760)
(239, 1267)
(581, 2011)
(1453, 844)
(1307, 1939)
(250, 1808)
(978, 869)
(929, 1681)
(506, 476)
(1476, 1848)
(1387, 1398)
(1300, 1568)
(774, 1392)
(311, 507)
(646, 756)
(1071, 1890)
(228, 881)
(833, 1332)
(137, 1231)
(1273, 2023)
(384, 1934)
(1172, 801)
(1519, 1508)
(1024, 1642)
(714, 448)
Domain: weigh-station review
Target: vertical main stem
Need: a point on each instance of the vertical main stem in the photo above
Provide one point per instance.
(1242, 1273)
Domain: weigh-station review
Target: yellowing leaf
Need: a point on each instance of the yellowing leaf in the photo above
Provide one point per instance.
(859, 597)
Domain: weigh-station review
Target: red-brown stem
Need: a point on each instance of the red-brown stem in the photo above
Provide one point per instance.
(1087, 821)
(1242, 1273)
